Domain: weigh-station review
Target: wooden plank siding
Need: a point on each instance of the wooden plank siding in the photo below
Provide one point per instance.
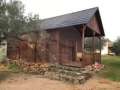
(93, 24)
(64, 47)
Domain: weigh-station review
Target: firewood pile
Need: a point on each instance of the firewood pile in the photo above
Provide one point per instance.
(30, 67)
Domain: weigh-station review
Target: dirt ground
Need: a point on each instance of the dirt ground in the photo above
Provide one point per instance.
(36, 82)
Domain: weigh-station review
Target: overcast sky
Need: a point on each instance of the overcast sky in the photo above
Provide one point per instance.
(109, 10)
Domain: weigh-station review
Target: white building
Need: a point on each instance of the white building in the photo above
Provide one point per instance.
(106, 48)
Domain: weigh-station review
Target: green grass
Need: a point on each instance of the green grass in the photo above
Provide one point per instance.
(112, 68)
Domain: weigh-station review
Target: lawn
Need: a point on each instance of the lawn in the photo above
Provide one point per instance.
(112, 68)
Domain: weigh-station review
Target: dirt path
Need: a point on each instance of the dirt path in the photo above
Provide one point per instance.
(35, 82)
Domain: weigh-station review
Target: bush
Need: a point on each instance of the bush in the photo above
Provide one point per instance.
(13, 67)
(116, 47)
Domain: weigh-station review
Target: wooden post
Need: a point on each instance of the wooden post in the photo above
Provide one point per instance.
(93, 41)
(100, 48)
(76, 50)
(83, 40)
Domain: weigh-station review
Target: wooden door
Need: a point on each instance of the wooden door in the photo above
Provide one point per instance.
(67, 53)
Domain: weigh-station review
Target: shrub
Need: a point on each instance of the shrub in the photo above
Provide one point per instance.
(116, 47)
(13, 67)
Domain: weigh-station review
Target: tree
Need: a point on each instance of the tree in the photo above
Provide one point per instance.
(116, 47)
(89, 43)
(16, 19)
(3, 18)
(12, 20)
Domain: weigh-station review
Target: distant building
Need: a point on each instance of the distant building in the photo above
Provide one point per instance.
(107, 48)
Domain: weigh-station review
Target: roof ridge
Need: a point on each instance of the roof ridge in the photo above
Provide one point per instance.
(69, 19)
(69, 13)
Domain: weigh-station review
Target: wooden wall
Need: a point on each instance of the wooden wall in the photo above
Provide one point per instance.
(70, 45)
(63, 47)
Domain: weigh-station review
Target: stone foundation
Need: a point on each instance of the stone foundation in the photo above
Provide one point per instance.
(55, 71)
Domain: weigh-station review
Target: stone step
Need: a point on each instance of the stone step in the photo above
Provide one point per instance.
(72, 73)
(72, 79)
(67, 78)
(67, 73)
(69, 68)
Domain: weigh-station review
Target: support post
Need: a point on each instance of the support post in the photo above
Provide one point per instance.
(83, 40)
(100, 48)
(93, 41)
(76, 50)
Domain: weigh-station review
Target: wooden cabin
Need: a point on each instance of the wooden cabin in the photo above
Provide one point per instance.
(68, 33)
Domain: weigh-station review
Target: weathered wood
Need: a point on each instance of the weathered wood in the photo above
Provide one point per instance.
(64, 45)
(93, 42)
(83, 38)
(94, 25)
(76, 49)
(87, 59)
(100, 48)
(58, 46)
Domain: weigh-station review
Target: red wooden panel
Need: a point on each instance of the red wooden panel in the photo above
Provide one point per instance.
(94, 24)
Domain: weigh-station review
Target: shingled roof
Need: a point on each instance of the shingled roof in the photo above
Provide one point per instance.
(71, 19)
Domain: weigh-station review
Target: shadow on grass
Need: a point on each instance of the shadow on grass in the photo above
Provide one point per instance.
(4, 75)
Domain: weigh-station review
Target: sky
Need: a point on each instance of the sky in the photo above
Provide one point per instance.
(109, 10)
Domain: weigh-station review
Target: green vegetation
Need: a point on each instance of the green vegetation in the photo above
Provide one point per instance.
(2, 54)
(13, 22)
(112, 68)
(13, 68)
(116, 47)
